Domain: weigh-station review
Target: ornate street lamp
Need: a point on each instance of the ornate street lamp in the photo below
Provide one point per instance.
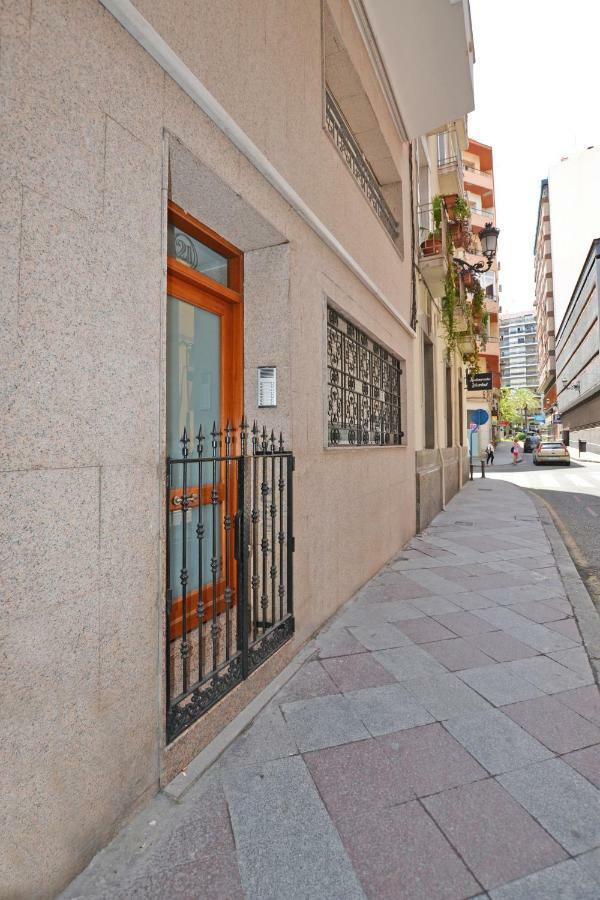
(488, 238)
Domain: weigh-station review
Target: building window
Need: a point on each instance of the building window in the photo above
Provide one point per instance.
(363, 391)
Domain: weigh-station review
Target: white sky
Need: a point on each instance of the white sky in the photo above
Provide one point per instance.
(536, 99)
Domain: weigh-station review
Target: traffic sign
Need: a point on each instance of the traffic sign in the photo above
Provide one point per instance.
(480, 416)
(473, 426)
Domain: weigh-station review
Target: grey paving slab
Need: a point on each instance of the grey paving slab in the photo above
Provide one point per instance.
(564, 802)
(585, 701)
(541, 638)
(496, 741)
(586, 762)
(398, 852)
(499, 685)
(435, 584)
(590, 863)
(457, 654)
(388, 708)
(433, 606)
(538, 611)
(559, 728)
(408, 662)
(323, 722)
(513, 593)
(312, 680)
(446, 696)
(472, 600)
(464, 623)
(546, 674)
(337, 641)
(379, 636)
(351, 673)
(568, 627)
(430, 759)
(274, 810)
(577, 660)
(565, 881)
(402, 586)
(501, 617)
(268, 737)
(500, 646)
(494, 835)
(425, 629)
(360, 776)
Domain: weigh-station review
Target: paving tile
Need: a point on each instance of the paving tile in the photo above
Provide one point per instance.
(388, 708)
(547, 674)
(268, 737)
(514, 593)
(585, 701)
(590, 863)
(430, 759)
(465, 623)
(565, 881)
(499, 685)
(441, 587)
(541, 638)
(272, 809)
(564, 802)
(501, 617)
(537, 611)
(310, 681)
(446, 696)
(434, 606)
(323, 722)
(401, 586)
(577, 661)
(497, 839)
(586, 762)
(379, 636)
(359, 776)
(495, 741)
(337, 642)
(399, 853)
(425, 629)
(561, 729)
(457, 654)
(351, 673)
(408, 662)
(501, 647)
(568, 627)
(470, 601)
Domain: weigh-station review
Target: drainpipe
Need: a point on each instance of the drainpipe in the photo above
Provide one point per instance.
(441, 455)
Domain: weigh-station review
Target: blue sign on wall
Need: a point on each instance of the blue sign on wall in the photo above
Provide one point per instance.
(479, 416)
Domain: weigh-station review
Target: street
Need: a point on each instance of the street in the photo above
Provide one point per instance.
(572, 494)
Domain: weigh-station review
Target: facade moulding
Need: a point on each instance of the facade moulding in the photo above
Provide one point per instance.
(141, 31)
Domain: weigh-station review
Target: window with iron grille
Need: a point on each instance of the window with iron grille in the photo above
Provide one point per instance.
(363, 390)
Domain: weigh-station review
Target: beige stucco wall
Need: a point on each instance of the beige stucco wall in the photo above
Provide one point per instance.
(88, 118)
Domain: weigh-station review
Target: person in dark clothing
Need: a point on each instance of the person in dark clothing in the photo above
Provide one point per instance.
(490, 454)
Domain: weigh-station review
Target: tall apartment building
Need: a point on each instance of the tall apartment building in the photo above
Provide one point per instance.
(544, 305)
(478, 168)
(518, 350)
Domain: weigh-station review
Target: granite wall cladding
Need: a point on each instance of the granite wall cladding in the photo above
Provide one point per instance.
(87, 118)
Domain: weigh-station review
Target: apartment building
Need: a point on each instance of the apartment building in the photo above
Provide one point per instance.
(544, 307)
(480, 195)
(578, 358)
(207, 221)
(519, 350)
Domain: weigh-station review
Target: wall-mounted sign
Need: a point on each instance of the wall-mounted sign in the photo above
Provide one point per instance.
(479, 416)
(481, 381)
(556, 419)
(267, 386)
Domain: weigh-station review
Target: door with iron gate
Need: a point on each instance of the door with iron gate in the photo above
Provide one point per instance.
(229, 488)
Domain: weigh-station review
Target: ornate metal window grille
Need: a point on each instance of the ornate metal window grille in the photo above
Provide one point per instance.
(356, 161)
(363, 390)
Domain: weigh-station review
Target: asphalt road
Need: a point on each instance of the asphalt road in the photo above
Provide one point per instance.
(572, 493)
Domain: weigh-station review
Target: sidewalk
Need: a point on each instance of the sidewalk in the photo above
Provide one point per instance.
(442, 740)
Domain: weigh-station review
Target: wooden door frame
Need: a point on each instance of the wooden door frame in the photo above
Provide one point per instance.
(226, 301)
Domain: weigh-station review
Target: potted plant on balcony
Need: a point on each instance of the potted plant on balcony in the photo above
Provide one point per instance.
(432, 245)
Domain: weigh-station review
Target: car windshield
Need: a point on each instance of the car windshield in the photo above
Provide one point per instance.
(549, 446)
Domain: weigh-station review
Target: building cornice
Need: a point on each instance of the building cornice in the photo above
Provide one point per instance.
(142, 31)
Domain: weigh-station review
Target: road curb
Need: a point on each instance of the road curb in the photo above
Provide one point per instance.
(586, 614)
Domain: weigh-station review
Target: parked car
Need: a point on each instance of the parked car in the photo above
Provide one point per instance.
(553, 452)
(531, 442)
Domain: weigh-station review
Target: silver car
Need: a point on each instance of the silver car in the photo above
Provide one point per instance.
(554, 452)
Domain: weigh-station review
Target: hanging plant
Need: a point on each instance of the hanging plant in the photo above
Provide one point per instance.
(462, 210)
(477, 303)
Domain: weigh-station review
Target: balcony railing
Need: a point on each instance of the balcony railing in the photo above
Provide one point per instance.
(356, 161)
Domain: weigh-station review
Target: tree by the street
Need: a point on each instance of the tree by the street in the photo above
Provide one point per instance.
(514, 402)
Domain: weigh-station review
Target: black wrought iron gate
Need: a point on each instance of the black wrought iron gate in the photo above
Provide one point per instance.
(229, 564)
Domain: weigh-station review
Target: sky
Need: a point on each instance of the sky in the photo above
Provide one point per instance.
(537, 91)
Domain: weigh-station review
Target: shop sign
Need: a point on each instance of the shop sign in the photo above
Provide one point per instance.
(481, 381)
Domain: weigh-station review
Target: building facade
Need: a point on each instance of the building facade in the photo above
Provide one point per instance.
(518, 351)
(544, 308)
(578, 358)
(207, 221)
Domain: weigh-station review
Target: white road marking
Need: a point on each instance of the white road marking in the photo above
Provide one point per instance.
(578, 480)
(591, 512)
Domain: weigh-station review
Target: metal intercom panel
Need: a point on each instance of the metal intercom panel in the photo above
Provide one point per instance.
(267, 386)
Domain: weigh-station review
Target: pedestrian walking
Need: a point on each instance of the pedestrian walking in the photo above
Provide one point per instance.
(515, 449)
(490, 454)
